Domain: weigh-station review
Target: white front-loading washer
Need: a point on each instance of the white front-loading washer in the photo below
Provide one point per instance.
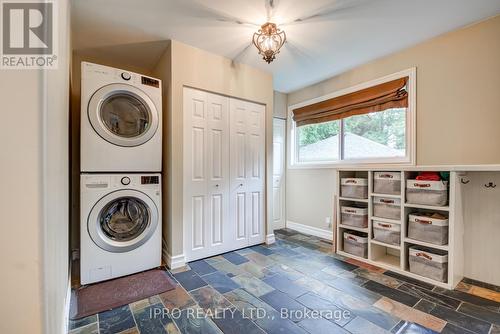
(120, 228)
(121, 121)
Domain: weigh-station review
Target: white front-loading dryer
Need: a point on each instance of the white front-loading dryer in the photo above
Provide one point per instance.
(121, 121)
(120, 227)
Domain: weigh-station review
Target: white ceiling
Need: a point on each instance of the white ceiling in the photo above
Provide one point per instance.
(347, 33)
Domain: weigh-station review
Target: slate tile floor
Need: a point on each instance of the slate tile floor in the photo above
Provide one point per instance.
(245, 291)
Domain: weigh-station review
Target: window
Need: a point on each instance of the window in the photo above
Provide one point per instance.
(375, 137)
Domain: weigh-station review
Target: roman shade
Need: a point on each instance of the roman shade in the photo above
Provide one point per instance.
(392, 94)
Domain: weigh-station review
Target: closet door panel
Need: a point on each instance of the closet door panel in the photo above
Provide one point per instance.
(238, 204)
(195, 171)
(206, 173)
(218, 231)
(256, 172)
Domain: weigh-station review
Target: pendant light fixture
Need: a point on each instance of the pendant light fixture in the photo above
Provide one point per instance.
(268, 40)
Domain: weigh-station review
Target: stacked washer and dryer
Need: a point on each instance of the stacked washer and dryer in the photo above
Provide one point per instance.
(120, 181)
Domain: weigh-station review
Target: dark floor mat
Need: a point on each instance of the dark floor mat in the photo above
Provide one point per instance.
(106, 295)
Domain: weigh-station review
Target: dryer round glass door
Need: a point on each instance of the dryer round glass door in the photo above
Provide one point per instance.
(123, 115)
(123, 220)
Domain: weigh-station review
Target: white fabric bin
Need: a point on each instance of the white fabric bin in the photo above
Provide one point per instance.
(430, 263)
(354, 216)
(387, 232)
(354, 188)
(389, 208)
(428, 227)
(427, 192)
(387, 183)
(356, 244)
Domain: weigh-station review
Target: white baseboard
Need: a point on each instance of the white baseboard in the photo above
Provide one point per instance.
(306, 229)
(177, 261)
(173, 262)
(270, 239)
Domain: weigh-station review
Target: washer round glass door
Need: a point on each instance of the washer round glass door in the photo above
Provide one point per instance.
(122, 220)
(123, 115)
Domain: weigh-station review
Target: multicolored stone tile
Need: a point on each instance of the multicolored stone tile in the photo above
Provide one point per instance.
(378, 277)
(299, 272)
(366, 266)
(321, 326)
(468, 298)
(261, 260)
(220, 282)
(255, 269)
(210, 300)
(407, 313)
(283, 284)
(480, 313)
(282, 302)
(141, 304)
(177, 298)
(262, 250)
(193, 321)
(82, 322)
(363, 326)
(235, 258)
(484, 293)
(461, 320)
(201, 267)
(247, 304)
(227, 267)
(86, 329)
(153, 319)
(315, 302)
(391, 293)
(190, 280)
(253, 285)
(430, 296)
(116, 320)
(232, 321)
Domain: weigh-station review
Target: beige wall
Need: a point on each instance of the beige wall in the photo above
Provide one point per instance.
(34, 194)
(458, 106)
(200, 69)
(280, 105)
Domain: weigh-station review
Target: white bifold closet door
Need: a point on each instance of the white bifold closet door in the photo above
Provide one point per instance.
(247, 152)
(224, 175)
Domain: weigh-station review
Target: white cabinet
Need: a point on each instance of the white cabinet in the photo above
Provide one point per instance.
(224, 175)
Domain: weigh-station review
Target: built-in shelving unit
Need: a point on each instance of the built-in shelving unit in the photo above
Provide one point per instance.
(395, 257)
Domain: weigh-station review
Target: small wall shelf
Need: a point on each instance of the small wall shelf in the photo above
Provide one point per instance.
(395, 257)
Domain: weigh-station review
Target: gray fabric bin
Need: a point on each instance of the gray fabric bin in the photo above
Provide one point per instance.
(356, 244)
(354, 216)
(387, 183)
(389, 208)
(427, 227)
(433, 193)
(354, 188)
(430, 263)
(388, 233)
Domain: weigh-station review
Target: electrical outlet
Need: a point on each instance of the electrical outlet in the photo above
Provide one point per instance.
(328, 222)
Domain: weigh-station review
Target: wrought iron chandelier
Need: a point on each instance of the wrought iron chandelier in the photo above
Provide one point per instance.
(268, 40)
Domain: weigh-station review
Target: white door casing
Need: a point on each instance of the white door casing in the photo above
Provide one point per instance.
(279, 160)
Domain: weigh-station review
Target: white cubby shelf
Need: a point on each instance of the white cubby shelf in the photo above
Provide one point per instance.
(395, 257)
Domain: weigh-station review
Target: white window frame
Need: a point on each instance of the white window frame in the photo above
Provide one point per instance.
(408, 160)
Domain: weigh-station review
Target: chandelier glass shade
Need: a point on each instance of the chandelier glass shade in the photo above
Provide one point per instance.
(269, 40)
